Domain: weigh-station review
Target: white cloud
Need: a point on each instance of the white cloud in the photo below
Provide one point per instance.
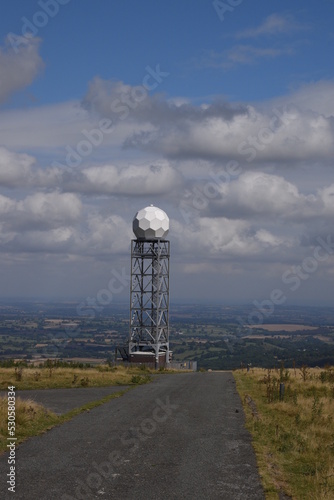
(15, 168)
(327, 197)
(154, 178)
(225, 239)
(6, 205)
(211, 131)
(40, 211)
(268, 239)
(242, 54)
(19, 170)
(95, 236)
(149, 178)
(84, 213)
(53, 241)
(59, 223)
(259, 196)
(219, 131)
(51, 208)
(18, 68)
(154, 109)
(275, 24)
(259, 135)
(44, 128)
(316, 97)
(258, 193)
(107, 235)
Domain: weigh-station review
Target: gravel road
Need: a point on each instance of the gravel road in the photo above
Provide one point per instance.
(180, 437)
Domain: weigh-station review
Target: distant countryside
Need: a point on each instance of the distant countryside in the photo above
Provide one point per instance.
(217, 337)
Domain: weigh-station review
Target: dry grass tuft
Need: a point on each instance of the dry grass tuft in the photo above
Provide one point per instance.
(57, 377)
(293, 438)
(30, 419)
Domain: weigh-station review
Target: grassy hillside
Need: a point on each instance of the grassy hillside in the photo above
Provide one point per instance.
(293, 438)
(57, 377)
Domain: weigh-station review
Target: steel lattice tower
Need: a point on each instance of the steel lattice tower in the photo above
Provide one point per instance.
(149, 293)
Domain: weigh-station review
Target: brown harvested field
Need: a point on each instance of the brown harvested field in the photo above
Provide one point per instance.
(87, 360)
(328, 340)
(98, 361)
(286, 328)
(261, 337)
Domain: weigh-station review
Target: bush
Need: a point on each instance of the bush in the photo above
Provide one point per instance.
(10, 363)
(18, 374)
(140, 379)
(327, 375)
(84, 382)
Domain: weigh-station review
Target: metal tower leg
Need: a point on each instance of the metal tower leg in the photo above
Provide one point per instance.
(149, 301)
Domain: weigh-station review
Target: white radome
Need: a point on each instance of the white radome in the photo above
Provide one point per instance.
(150, 223)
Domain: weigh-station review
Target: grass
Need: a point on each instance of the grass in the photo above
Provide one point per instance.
(293, 439)
(33, 419)
(56, 378)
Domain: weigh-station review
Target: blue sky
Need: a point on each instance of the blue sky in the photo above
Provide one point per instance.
(219, 112)
(118, 40)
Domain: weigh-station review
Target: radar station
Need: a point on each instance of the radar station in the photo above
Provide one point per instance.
(149, 292)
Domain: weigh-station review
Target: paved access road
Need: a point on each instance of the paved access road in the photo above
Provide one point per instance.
(61, 401)
(180, 437)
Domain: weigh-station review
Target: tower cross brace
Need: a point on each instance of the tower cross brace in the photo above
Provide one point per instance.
(149, 299)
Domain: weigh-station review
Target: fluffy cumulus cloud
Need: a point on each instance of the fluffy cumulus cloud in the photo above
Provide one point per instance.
(20, 170)
(327, 198)
(94, 236)
(6, 206)
(119, 101)
(268, 210)
(285, 134)
(107, 235)
(256, 194)
(40, 211)
(52, 241)
(20, 63)
(289, 130)
(316, 97)
(148, 178)
(15, 169)
(155, 178)
(222, 238)
(59, 223)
